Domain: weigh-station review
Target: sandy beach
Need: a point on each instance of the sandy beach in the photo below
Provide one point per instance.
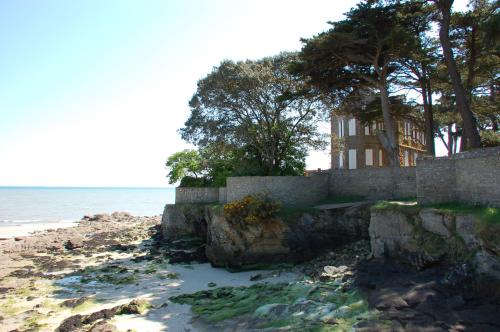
(30, 228)
(94, 266)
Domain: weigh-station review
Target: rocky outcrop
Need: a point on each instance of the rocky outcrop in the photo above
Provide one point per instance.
(424, 237)
(239, 244)
(290, 237)
(180, 220)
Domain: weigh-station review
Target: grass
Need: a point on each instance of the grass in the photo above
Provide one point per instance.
(487, 227)
(490, 215)
(395, 206)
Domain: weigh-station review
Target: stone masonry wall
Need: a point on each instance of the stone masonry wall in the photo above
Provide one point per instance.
(184, 195)
(374, 183)
(468, 177)
(290, 190)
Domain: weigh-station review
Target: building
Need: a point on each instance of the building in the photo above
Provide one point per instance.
(355, 145)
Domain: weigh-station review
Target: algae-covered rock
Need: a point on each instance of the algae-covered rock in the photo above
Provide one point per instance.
(300, 305)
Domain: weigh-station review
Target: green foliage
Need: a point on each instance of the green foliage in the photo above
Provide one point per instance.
(255, 116)
(186, 163)
(252, 209)
(489, 138)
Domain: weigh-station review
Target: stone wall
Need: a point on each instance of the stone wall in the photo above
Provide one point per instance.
(184, 195)
(290, 190)
(468, 177)
(374, 183)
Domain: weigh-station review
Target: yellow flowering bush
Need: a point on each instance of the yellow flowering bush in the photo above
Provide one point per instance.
(252, 209)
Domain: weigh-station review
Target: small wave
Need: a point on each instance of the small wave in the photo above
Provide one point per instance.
(20, 221)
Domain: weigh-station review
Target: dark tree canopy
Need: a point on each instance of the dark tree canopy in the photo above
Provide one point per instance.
(360, 53)
(265, 116)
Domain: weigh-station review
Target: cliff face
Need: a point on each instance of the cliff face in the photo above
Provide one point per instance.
(285, 239)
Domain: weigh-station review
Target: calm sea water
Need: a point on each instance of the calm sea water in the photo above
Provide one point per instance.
(21, 205)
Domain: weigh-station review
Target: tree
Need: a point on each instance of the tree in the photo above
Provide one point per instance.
(360, 52)
(419, 61)
(186, 163)
(267, 117)
(463, 104)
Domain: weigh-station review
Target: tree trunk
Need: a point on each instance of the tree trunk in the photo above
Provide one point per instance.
(494, 121)
(389, 140)
(450, 141)
(470, 123)
(428, 116)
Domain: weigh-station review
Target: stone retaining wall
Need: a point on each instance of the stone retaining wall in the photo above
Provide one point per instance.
(185, 195)
(468, 177)
(290, 190)
(374, 183)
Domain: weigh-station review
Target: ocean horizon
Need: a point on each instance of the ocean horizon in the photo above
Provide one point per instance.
(21, 205)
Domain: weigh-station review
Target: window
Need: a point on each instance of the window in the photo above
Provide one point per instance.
(415, 156)
(352, 127)
(352, 159)
(341, 159)
(374, 127)
(367, 130)
(380, 160)
(369, 157)
(407, 159)
(341, 127)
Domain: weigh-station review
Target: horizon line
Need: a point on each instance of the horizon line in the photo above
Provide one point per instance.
(84, 187)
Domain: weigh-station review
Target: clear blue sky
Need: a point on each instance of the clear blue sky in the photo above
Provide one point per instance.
(92, 92)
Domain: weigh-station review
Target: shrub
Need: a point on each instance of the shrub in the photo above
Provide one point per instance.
(252, 209)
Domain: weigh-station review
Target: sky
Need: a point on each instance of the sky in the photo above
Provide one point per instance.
(92, 92)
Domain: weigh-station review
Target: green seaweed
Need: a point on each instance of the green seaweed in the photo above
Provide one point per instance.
(304, 304)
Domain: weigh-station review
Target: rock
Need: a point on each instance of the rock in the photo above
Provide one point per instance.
(18, 238)
(74, 243)
(435, 222)
(103, 326)
(272, 310)
(237, 245)
(455, 302)
(390, 232)
(459, 276)
(417, 296)
(293, 238)
(212, 284)
(333, 271)
(465, 224)
(75, 322)
(119, 216)
(487, 269)
(123, 247)
(71, 303)
(71, 324)
(390, 300)
(256, 277)
(136, 307)
(184, 220)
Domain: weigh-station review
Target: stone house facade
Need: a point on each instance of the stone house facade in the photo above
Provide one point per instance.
(356, 145)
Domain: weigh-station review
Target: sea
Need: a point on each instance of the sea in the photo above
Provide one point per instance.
(24, 209)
